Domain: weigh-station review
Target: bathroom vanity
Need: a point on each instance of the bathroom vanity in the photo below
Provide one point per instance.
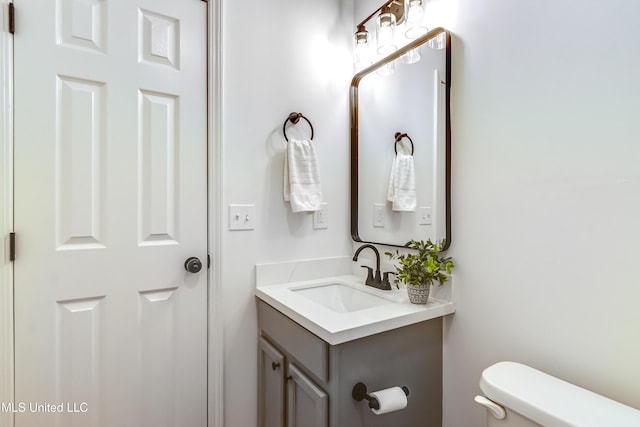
(313, 351)
(306, 381)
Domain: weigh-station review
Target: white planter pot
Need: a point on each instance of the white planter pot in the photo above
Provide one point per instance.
(419, 294)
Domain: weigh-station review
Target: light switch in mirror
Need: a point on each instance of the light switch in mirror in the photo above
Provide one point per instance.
(393, 116)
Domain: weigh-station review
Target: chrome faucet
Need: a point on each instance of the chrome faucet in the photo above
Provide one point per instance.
(374, 280)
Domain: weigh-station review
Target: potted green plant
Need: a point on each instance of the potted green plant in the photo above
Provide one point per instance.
(418, 270)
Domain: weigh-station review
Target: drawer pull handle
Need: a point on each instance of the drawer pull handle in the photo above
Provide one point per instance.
(275, 366)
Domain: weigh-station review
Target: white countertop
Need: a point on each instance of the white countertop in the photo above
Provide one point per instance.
(276, 285)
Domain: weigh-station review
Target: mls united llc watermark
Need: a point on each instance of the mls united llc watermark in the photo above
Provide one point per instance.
(46, 407)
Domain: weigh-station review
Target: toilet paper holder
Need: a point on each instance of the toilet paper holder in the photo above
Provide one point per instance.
(359, 393)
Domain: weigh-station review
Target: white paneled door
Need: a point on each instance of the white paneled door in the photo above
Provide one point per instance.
(110, 201)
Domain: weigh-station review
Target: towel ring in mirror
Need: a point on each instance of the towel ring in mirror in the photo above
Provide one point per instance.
(399, 137)
(295, 118)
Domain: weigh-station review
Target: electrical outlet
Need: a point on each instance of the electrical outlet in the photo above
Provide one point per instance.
(242, 217)
(425, 216)
(321, 218)
(379, 215)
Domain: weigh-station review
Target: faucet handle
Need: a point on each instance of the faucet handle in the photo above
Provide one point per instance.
(369, 273)
(385, 279)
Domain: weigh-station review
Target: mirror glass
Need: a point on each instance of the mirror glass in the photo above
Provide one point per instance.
(396, 197)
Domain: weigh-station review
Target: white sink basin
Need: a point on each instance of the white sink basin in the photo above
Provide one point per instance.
(341, 297)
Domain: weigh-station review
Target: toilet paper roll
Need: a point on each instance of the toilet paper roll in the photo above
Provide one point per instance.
(390, 399)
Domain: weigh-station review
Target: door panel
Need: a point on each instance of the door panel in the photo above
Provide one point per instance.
(79, 154)
(307, 404)
(270, 386)
(110, 199)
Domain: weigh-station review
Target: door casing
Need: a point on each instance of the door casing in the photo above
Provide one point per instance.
(6, 214)
(215, 333)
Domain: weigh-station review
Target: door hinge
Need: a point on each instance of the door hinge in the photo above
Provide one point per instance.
(12, 18)
(12, 246)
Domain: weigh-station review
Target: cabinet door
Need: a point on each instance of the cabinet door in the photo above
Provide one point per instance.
(270, 386)
(307, 404)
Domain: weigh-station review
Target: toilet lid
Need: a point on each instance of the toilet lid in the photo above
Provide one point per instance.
(550, 401)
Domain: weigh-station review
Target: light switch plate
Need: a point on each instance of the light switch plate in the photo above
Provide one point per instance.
(379, 214)
(242, 217)
(425, 215)
(321, 218)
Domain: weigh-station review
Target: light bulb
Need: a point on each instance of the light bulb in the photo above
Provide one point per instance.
(361, 48)
(438, 42)
(386, 69)
(385, 31)
(414, 27)
(411, 57)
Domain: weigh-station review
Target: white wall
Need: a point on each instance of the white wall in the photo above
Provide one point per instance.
(546, 195)
(278, 57)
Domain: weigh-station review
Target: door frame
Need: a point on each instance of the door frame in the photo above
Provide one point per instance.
(215, 365)
(215, 398)
(6, 213)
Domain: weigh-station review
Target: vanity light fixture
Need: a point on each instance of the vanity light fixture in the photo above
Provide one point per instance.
(391, 15)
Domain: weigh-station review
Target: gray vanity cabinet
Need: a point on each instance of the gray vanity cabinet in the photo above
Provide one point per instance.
(305, 382)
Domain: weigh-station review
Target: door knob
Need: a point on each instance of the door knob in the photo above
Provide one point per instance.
(193, 265)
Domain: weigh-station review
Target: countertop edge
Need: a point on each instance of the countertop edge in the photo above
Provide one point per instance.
(442, 308)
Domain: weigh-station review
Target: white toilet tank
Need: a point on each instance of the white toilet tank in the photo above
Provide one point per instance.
(517, 395)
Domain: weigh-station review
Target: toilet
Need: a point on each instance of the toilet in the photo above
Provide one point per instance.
(516, 395)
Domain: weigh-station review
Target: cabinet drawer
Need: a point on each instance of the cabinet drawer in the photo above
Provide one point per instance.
(309, 350)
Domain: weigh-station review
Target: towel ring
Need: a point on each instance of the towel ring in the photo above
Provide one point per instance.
(399, 137)
(295, 118)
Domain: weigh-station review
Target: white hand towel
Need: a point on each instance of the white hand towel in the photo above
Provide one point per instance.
(402, 184)
(302, 177)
